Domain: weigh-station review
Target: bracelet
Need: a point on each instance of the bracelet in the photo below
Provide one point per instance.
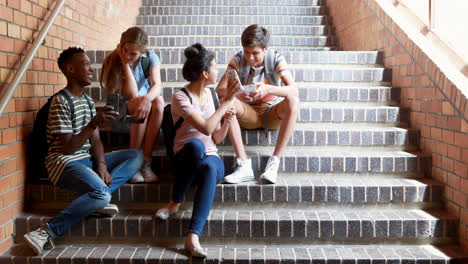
(103, 162)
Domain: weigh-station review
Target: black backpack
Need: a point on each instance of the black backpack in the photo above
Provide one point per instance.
(169, 128)
(37, 145)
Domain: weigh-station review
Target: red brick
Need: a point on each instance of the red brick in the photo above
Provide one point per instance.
(8, 44)
(461, 169)
(454, 152)
(4, 121)
(461, 140)
(4, 245)
(447, 108)
(9, 167)
(436, 133)
(448, 136)
(9, 136)
(454, 123)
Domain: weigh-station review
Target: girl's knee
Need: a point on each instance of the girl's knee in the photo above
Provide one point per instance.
(195, 146)
(158, 104)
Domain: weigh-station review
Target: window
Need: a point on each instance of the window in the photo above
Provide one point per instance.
(420, 8)
(449, 23)
(447, 19)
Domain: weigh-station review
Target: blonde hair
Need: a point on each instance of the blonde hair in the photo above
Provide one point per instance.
(112, 71)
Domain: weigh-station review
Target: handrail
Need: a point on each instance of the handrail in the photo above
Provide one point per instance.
(10, 89)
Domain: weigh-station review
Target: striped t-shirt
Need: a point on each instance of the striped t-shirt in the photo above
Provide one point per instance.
(60, 122)
(257, 74)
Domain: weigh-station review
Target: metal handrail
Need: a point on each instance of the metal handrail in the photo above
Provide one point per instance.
(11, 87)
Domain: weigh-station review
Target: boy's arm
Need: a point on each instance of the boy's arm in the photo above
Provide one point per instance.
(71, 143)
(290, 88)
(97, 151)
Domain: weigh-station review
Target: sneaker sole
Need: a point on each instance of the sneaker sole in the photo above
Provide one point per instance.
(243, 179)
(32, 245)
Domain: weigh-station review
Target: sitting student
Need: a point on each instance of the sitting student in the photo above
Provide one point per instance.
(270, 106)
(196, 160)
(133, 71)
(76, 159)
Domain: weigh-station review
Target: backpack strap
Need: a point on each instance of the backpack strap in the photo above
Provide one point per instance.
(70, 103)
(145, 64)
(181, 119)
(215, 97)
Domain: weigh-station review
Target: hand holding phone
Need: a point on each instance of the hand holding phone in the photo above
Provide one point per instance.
(114, 101)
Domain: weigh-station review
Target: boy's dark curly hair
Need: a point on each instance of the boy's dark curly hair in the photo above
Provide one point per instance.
(66, 55)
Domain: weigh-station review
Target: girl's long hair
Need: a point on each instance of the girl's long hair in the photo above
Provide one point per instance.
(112, 72)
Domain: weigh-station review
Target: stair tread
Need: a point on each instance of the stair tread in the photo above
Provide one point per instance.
(272, 212)
(320, 151)
(173, 252)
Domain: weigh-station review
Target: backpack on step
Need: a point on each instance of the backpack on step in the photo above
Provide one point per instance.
(168, 126)
(38, 146)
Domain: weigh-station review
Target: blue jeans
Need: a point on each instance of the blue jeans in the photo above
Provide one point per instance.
(192, 165)
(80, 177)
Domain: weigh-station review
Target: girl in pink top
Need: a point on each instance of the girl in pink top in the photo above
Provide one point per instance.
(195, 142)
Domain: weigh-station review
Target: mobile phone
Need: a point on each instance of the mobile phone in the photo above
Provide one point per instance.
(250, 87)
(113, 100)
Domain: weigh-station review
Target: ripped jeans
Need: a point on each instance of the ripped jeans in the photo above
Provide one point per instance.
(80, 177)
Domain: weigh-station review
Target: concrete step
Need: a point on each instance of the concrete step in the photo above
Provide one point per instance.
(234, 41)
(294, 188)
(308, 92)
(246, 3)
(169, 253)
(312, 135)
(309, 74)
(244, 20)
(320, 159)
(340, 225)
(224, 54)
(315, 135)
(235, 30)
(232, 9)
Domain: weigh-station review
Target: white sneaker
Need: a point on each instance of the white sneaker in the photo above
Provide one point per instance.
(37, 239)
(137, 178)
(271, 170)
(110, 209)
(147, 172)
(165, 213)
(242, 173)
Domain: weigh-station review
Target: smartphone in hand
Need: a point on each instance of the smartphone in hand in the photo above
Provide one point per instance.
(114, 101)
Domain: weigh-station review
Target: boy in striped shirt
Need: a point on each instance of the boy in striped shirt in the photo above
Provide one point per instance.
(274, 104)
(76, 158)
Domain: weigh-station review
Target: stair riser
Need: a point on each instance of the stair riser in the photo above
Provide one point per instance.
(224, 55)
(331, 138)
(229, 2)
(233, 20)
(231, 10)
(277, 41)
(302, 163)
(299, 193)
(305, 75)
(235, 30)
(255, 225)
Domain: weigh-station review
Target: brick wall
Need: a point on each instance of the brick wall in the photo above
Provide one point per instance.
(86, 23)
(437, 107)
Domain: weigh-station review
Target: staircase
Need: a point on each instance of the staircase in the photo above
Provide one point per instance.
(353, 187)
